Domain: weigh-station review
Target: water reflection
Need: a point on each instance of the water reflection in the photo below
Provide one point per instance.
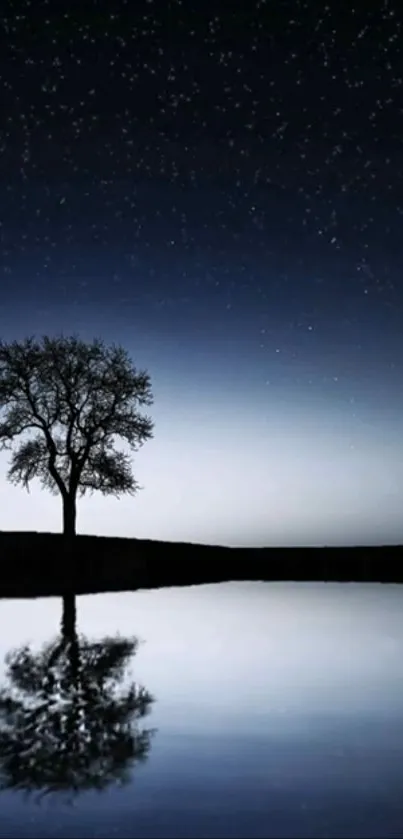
(279, 713)
(68, 722)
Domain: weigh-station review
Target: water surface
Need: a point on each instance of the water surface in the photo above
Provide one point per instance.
(273, 710)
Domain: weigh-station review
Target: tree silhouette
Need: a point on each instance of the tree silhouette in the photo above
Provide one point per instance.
(71, 401)
(66, 722)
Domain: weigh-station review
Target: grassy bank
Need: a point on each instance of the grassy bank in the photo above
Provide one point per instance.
(40, 564)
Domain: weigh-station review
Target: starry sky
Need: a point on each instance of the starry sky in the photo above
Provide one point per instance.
(218, 186)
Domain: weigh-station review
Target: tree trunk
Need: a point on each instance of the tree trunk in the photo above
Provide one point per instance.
(69, 515)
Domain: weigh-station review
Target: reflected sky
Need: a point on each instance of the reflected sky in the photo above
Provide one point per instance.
(279, 711)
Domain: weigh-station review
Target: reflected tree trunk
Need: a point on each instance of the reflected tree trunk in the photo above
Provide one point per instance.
(69, 634)
(69, 616)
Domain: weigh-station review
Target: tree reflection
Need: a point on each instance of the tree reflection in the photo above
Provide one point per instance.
(66, 722)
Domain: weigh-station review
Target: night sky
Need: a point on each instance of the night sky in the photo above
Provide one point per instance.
(218, 186)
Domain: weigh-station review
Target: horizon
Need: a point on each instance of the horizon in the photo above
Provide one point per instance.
(317, 547)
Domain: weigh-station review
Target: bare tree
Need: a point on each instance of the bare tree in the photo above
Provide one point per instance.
(69, 402)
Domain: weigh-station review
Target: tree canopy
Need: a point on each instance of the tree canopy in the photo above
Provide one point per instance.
(69, 402)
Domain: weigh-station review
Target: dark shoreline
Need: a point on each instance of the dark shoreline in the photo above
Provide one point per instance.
(47, 564)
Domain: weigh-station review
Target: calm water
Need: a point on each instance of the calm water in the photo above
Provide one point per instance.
(277, 712)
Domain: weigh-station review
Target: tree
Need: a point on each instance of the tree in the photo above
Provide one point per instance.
(68, 723)
(69, 402)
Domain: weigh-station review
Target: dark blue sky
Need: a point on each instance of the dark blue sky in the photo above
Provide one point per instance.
(219, 187)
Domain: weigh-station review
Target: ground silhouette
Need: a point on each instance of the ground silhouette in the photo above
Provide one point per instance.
(40, 564)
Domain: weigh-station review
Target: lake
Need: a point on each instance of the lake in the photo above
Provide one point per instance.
(246, 710)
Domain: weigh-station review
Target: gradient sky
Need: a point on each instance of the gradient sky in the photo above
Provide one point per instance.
(219, 188)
